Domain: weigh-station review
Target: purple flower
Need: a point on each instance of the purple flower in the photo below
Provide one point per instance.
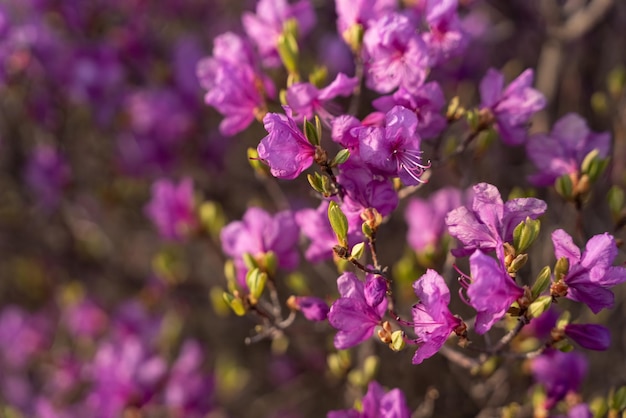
(172, 208)
(590, 336)
(394, 54)
(285, 149)
(426, 218)
(364, 190)
(489, 223)
(259, 233)
(306, 100)
(491, 291)
(591, 275)
(359, 309)
(344, 133)
(431, 316)
(394, 149)
(313, 309)
(266, 25)
(513, 107)
(234, 88)
(559, 373)
(47, 173)
(188, 390)
(360, 12)
(123, 371)
(446, 38)
(564, 149)
(378, 404)
(426, 101)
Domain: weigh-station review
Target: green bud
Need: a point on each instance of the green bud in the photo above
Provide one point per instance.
(525, 234)
(518, 263)
(539, 306)
(370, 367)
(287, 47)
(564, 186)
(249, 261)
(472, 119)
(256, 280)
(593, 165)
(588, 160)
(310, 133)
(542, 282)
(236, 304)
(296, 282)
(617, 401)
(327, 187)
(397, 341)
(212, 218)
(600, 102)
(367, 231)
(599, 407)
(616, 81)
(561, 268)
(454, 111)
(563, 320)
(357, 250)
(270, 263)
(354, 37)
(231, 275)
(220, 307)
(341, 157)
(615, 198)
(315, 180)
(318, 76)
(318, 126)
(356, 378)
(339, 223)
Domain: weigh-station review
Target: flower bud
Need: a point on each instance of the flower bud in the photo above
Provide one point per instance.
(525, 234)
(561, 269)
(539, 306)
(564, 186)
(235, 303)
(542, 282)
(397, 341)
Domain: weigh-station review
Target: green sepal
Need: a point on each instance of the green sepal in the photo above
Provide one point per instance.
(542, 282)
(341, 157)
(338, 222)
(593, 165)
(367, 231)
(525, 234)
(310, 133)
(539, 306)
(564, 186)
(249, 261)
(270, 263)
(561, 268)
(315, 180)
(357, 250)
(236, 304)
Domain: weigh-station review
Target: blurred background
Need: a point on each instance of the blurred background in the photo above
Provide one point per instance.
(100, 313)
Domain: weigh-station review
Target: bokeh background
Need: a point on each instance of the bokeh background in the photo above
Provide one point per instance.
(99, 99)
